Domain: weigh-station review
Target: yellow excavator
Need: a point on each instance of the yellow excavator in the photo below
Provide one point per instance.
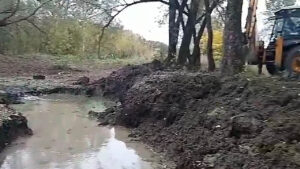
(283, 50)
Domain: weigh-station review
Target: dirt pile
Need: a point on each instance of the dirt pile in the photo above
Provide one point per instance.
(123, 79)
(12, 125)
(207, 121)
(164, 96)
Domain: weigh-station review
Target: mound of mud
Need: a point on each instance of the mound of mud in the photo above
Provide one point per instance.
(163, 96)
(12, 125)
(207, 121)
(123, 79)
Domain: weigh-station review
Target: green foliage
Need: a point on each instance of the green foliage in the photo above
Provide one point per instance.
(18, 39)
(64, 37)
(73, 37)
(70, 28)
(124, 44)
(217, 44)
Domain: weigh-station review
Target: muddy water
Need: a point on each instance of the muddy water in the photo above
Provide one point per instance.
(65, 138)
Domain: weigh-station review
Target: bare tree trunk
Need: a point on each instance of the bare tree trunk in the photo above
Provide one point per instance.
(173, 38)
(233, 61)
(210, 57)
(184, 51)
(196, 56)
(174, 27)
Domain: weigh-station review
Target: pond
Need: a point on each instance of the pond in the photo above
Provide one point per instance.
(66, 138)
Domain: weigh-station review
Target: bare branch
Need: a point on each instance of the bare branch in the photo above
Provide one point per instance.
(7, 11)
(35, 26)
(220, 11)
(210, 10)
(12, 13)
(5, 22)
(124, 6)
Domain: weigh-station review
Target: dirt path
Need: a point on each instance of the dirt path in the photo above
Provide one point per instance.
(16, 75)
(29, 65)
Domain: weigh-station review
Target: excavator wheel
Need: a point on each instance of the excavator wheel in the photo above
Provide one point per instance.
(292, 62)
(271, 67)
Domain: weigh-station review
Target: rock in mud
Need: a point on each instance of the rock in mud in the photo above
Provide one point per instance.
(245, 124)
(12, 125)
(39, 77)
(106, 117)
(82, 81)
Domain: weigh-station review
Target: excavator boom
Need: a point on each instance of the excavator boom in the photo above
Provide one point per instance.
(255, 52)
(251, 21)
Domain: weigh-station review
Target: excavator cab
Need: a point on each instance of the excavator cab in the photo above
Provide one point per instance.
(283, 51)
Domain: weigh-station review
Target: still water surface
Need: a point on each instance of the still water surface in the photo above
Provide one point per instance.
(65, 138)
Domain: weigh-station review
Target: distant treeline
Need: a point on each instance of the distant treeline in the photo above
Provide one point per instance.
(73, 37)
(68, 28)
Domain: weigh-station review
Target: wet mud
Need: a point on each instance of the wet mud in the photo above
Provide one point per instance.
(205, 120)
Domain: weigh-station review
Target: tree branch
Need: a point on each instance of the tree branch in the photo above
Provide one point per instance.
(124, 6)
(6, 23)
(210, 10)
(12, 13)
(35, 26)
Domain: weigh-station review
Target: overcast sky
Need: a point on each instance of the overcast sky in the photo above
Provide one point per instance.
(142, 19)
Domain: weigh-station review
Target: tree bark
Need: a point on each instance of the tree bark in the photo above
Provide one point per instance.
(174, 27)
(233, 61)
(184, 51)
(173, 38)
(196, 56)
(210, 57)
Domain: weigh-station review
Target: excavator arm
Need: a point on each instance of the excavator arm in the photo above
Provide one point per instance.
(251, 23)
(255, 50)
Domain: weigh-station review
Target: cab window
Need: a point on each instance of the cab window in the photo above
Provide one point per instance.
(292, 26)
(277, 30)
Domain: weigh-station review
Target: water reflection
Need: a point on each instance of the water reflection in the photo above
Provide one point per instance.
(64, 138)
(113, 155)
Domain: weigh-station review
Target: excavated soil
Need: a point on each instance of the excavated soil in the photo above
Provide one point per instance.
(203, 120)
(119, 81)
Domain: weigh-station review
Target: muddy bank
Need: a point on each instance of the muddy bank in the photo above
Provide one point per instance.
(9, 98)
(208, 121)
(40, 80)
(12, 89)
(12, 125)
